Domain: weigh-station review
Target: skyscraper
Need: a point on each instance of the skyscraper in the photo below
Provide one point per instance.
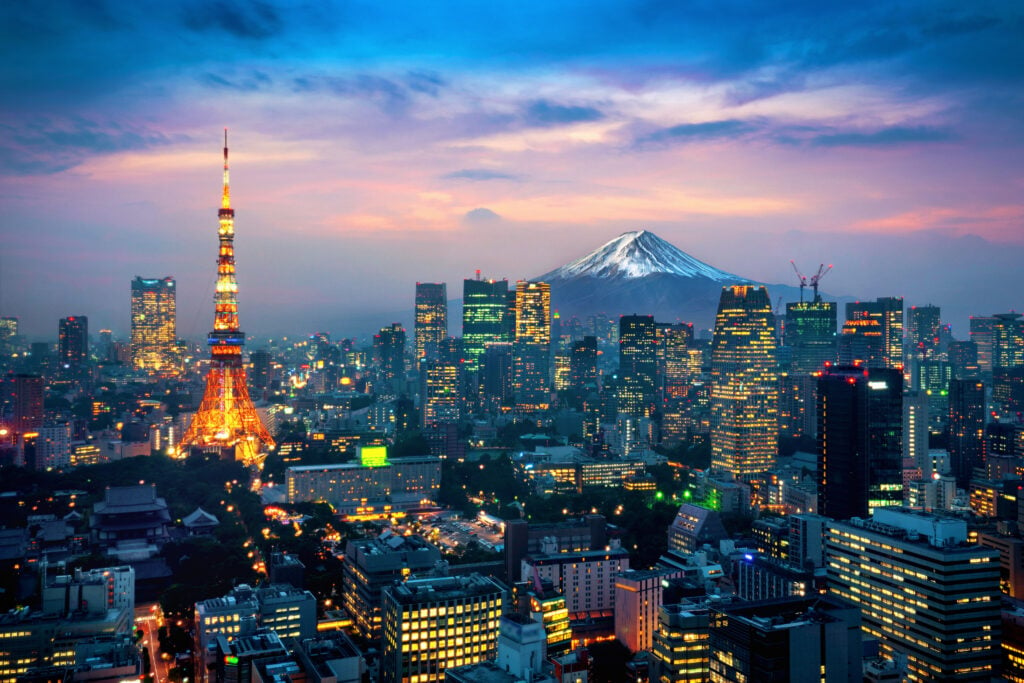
(389, 349)
(532, 348)
(811, 335)
(860, 447)
(439, 392)
(983, 336)
(154, 328)
(966, 428)
(73, 343)
(226, 420)
(638, 365)
(923, 330)
(888, 312)
(1007, 340)
(744, 391)
(484, 306)
(431, 326)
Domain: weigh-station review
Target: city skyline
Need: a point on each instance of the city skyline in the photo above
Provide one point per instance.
(374, 151)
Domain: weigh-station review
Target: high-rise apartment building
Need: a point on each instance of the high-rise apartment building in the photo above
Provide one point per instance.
(430, 625)
(154, 331)
(431, 326)
(888, 313)
(811, 335)
(583, 374)
(966, 428)
(532, 347)
(675, 367)
(744, 391)
(638, 365)
(860, 447)
(73, 343)
(923, 591)
(484, 308)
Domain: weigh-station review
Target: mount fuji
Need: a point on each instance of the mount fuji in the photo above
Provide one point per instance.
(640, 273)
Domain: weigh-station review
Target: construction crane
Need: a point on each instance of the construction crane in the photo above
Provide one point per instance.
(816, 278)
(812, 281)
(800, 276)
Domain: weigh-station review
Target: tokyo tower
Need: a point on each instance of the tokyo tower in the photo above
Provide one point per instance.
(226, 420)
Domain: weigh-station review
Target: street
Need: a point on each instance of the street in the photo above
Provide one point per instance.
(146, 619)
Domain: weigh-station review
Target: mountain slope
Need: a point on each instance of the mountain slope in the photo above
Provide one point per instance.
(640, 273)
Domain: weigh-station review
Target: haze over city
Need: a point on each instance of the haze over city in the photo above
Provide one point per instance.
(374, 146)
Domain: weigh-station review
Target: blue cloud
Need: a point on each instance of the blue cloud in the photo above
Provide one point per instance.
(478, 174)
(887, 137)
(696, 132)
(249, 20)
(545, 113)
(45, 147)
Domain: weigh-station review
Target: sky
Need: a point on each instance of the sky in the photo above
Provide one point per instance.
(377, 144)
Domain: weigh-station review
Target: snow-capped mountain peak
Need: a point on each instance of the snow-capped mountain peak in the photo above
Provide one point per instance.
(637, 254)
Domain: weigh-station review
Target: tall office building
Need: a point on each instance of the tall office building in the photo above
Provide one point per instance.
(73, 343)
(1007, 340)
(430, 625)
(23, 400)
(860, 451)
(8, 333)
(431, 326)
(226, 420)
(154, 329)
(923, 325)
(675, 369)
(638, 365)
(966, 428)
(811, 335)
(862, 342)
(982, 330)
(389, 352)
(439, 392)
(888, 312)
(744, 391)
(583, 374)
(963, 357)
(532, 347)
(915, 430)
(923, 591)
(484, 307)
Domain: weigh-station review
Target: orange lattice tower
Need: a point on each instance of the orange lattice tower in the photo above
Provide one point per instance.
(226, 419)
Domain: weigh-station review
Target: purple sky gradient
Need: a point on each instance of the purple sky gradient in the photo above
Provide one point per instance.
(374, 146)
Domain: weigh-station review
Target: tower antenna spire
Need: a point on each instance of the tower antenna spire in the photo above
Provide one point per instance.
(225, 202)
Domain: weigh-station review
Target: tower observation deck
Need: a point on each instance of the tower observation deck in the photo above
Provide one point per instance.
(227, 420)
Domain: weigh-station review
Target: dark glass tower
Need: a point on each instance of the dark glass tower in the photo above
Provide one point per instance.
(860, 429)
(811, 335)
(966, 428)
(638, 364)
(484, 307)
(887, 312)
(73, 343)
